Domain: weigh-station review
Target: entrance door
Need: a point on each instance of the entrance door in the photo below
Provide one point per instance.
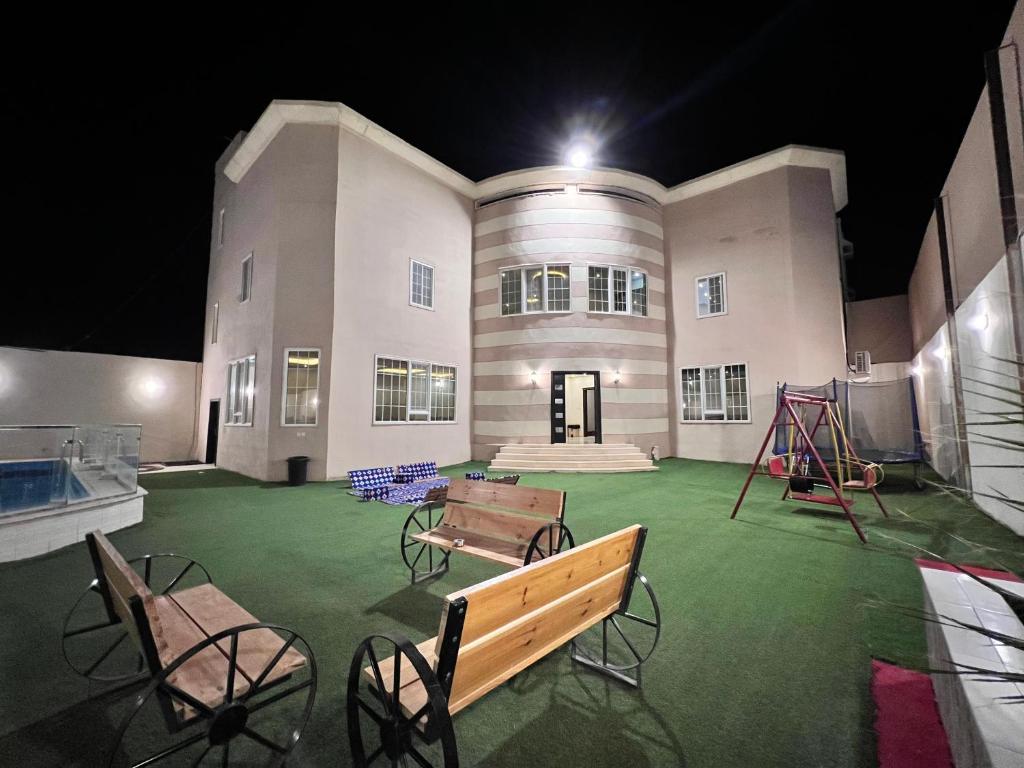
(557, 407)
(589, 413)
(591, 406)
(212, 432)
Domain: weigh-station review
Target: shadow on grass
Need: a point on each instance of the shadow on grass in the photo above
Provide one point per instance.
(588, 721)
(412, 606)
(83, 734)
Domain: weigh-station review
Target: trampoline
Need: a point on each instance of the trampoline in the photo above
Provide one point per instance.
(880, 420)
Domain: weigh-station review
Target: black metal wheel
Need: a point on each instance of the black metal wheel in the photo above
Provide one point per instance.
(548, 541)
(99, 648)
(627, 638)
(256, 716)
(423, 560)
(391, 723)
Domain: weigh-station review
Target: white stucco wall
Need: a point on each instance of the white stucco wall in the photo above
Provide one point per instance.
(388, 213)
(48, 387)
(774, 237)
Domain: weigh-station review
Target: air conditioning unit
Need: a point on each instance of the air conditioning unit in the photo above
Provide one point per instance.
(862, 362)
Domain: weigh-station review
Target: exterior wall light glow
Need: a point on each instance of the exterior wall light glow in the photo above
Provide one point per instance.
(533, 377)
(618, 377)
(579, 156)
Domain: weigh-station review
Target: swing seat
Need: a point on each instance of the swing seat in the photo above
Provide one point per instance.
(871, 475)
(776, 466)
(817, 498)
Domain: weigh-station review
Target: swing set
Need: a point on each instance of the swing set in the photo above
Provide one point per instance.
(802, 466)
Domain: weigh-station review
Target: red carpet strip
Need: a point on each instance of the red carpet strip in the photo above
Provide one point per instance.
(910, 732)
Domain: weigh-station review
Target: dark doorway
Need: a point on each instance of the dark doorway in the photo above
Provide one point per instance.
(589, 413)
(212, 432)
(558, 406)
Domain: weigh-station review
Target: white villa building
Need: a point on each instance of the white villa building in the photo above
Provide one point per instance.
(369, 306)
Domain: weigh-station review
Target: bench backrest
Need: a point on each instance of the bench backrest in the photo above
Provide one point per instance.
(515, 619)
(510, 513)
(122, 589)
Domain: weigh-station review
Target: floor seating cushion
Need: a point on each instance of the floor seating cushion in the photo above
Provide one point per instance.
(377, 493)
(372, 478)
(414, 493)
(475, 476)
(410, 473)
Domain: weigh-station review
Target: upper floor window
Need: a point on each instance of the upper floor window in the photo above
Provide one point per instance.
(214, 321)
(539, 288)
(421, 285)
(246, 290)
(617, 290)
(714, 393)
(241, 391)
(411, 391)
(301, 387)
(711, 295)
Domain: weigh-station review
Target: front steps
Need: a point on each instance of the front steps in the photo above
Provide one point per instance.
(572, 457)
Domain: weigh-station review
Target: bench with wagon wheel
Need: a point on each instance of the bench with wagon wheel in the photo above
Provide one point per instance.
(221, 684)
(497, 521)
(401, 697)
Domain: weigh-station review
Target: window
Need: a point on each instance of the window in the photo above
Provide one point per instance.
(421, 285)
(714, 393)
(301, 387)
(246, 291)
(220, 228)
(241, 391)
(711, 295)
(538, 288)
(413, 391)
(214, 321)
(617, 290)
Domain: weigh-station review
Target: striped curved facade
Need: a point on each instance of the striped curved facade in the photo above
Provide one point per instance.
(566, 225)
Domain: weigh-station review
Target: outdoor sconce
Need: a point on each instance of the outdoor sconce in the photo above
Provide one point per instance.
(618, 377)
(533, 377)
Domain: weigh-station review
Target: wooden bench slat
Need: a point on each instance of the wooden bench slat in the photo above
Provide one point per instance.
(478, 546)
(205, 675)
(502, 599)
(543, 502)
(214, 612)
(495, 523)
(494, 658)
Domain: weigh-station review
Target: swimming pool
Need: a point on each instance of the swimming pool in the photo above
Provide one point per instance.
(37, 484)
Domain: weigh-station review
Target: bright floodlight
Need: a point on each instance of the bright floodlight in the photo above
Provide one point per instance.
(579, 156)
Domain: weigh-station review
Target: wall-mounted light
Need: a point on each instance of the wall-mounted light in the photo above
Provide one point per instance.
(618, 377)
(533, 377)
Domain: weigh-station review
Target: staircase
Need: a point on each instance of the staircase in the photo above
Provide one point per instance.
(572, 457)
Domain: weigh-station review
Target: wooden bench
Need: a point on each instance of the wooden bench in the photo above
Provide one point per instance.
(501, 522)
(488, 633)
(209, 658)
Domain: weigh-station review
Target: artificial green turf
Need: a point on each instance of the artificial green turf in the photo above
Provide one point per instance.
(768, 620)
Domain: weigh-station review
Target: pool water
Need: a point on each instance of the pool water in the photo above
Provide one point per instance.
(34, 484)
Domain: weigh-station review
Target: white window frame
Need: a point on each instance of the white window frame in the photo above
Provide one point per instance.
(611, 290)
(522, 270)
(220, 227)
(215, 322)
(284, 387)
(228, 411)
(725, 296)
(409, 360)
(703, 394)
(243, 296)
(433, 283)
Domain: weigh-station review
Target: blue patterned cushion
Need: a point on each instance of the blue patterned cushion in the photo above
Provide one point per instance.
(475, 476)
(379, 493)
(421, 471)
(371, 478)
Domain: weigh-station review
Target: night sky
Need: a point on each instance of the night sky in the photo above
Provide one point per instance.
(111, 138)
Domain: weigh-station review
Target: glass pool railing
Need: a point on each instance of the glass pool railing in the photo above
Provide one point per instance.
(47, 466)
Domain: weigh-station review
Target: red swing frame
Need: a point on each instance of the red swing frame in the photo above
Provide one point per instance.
(785, 409)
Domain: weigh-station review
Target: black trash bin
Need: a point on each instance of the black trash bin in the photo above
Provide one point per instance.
(297, 466)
